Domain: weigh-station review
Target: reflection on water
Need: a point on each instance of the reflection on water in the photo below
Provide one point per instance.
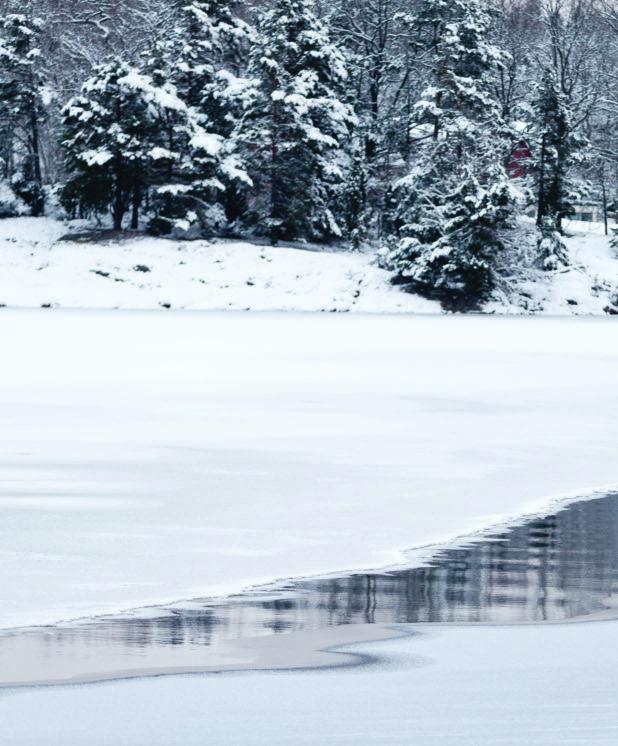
(549, 569)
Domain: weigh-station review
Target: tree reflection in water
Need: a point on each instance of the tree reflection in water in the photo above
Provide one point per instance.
(548, 569)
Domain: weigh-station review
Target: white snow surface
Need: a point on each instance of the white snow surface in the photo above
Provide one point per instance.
(473, 686)
(587, 286)
(148, 457)
(38, 269)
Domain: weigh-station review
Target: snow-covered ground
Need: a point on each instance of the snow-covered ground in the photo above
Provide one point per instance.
(475, 686)
(148, 457)
(587, 286)
(38, 269)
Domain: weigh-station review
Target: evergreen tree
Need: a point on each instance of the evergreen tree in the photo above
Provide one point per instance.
(108, 136)
(558, 150)
(355, 210)
(202, 56)
(457, 198)
(296, 123)
(22, 107)
(209, 39)
(127, 137)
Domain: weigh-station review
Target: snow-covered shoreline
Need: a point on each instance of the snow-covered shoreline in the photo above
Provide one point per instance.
(39, 267)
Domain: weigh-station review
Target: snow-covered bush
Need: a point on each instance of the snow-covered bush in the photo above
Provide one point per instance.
(552, 251)
(53, 202)
(10, 204)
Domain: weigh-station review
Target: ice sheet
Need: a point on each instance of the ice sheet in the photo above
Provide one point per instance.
(148, 458)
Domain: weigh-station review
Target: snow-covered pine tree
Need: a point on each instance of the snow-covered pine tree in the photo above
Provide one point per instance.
(108, 135)
(457, 197)
(296, 124)
(558, 150)
(355, 200)
(128, 136)
(22, 109)
(202, 56)
(208, 45)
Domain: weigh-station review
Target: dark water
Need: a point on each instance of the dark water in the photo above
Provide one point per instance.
(549, 569)
(555, 568)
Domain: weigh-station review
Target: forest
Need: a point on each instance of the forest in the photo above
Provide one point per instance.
(453, 138)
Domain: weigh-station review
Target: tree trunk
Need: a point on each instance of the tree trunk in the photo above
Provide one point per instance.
(436, 123)
(371, 146)
(38, 204)
(136, 199)
(118, 208)
(274, 175)
(118, 214)
(541, 206)
(604, 194)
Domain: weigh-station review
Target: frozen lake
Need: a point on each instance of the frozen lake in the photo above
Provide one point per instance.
(151, 457)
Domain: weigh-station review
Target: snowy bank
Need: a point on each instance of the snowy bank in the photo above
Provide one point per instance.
(38, 269)
(587, 286)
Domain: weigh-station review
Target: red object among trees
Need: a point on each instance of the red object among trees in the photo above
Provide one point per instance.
(519, 162)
